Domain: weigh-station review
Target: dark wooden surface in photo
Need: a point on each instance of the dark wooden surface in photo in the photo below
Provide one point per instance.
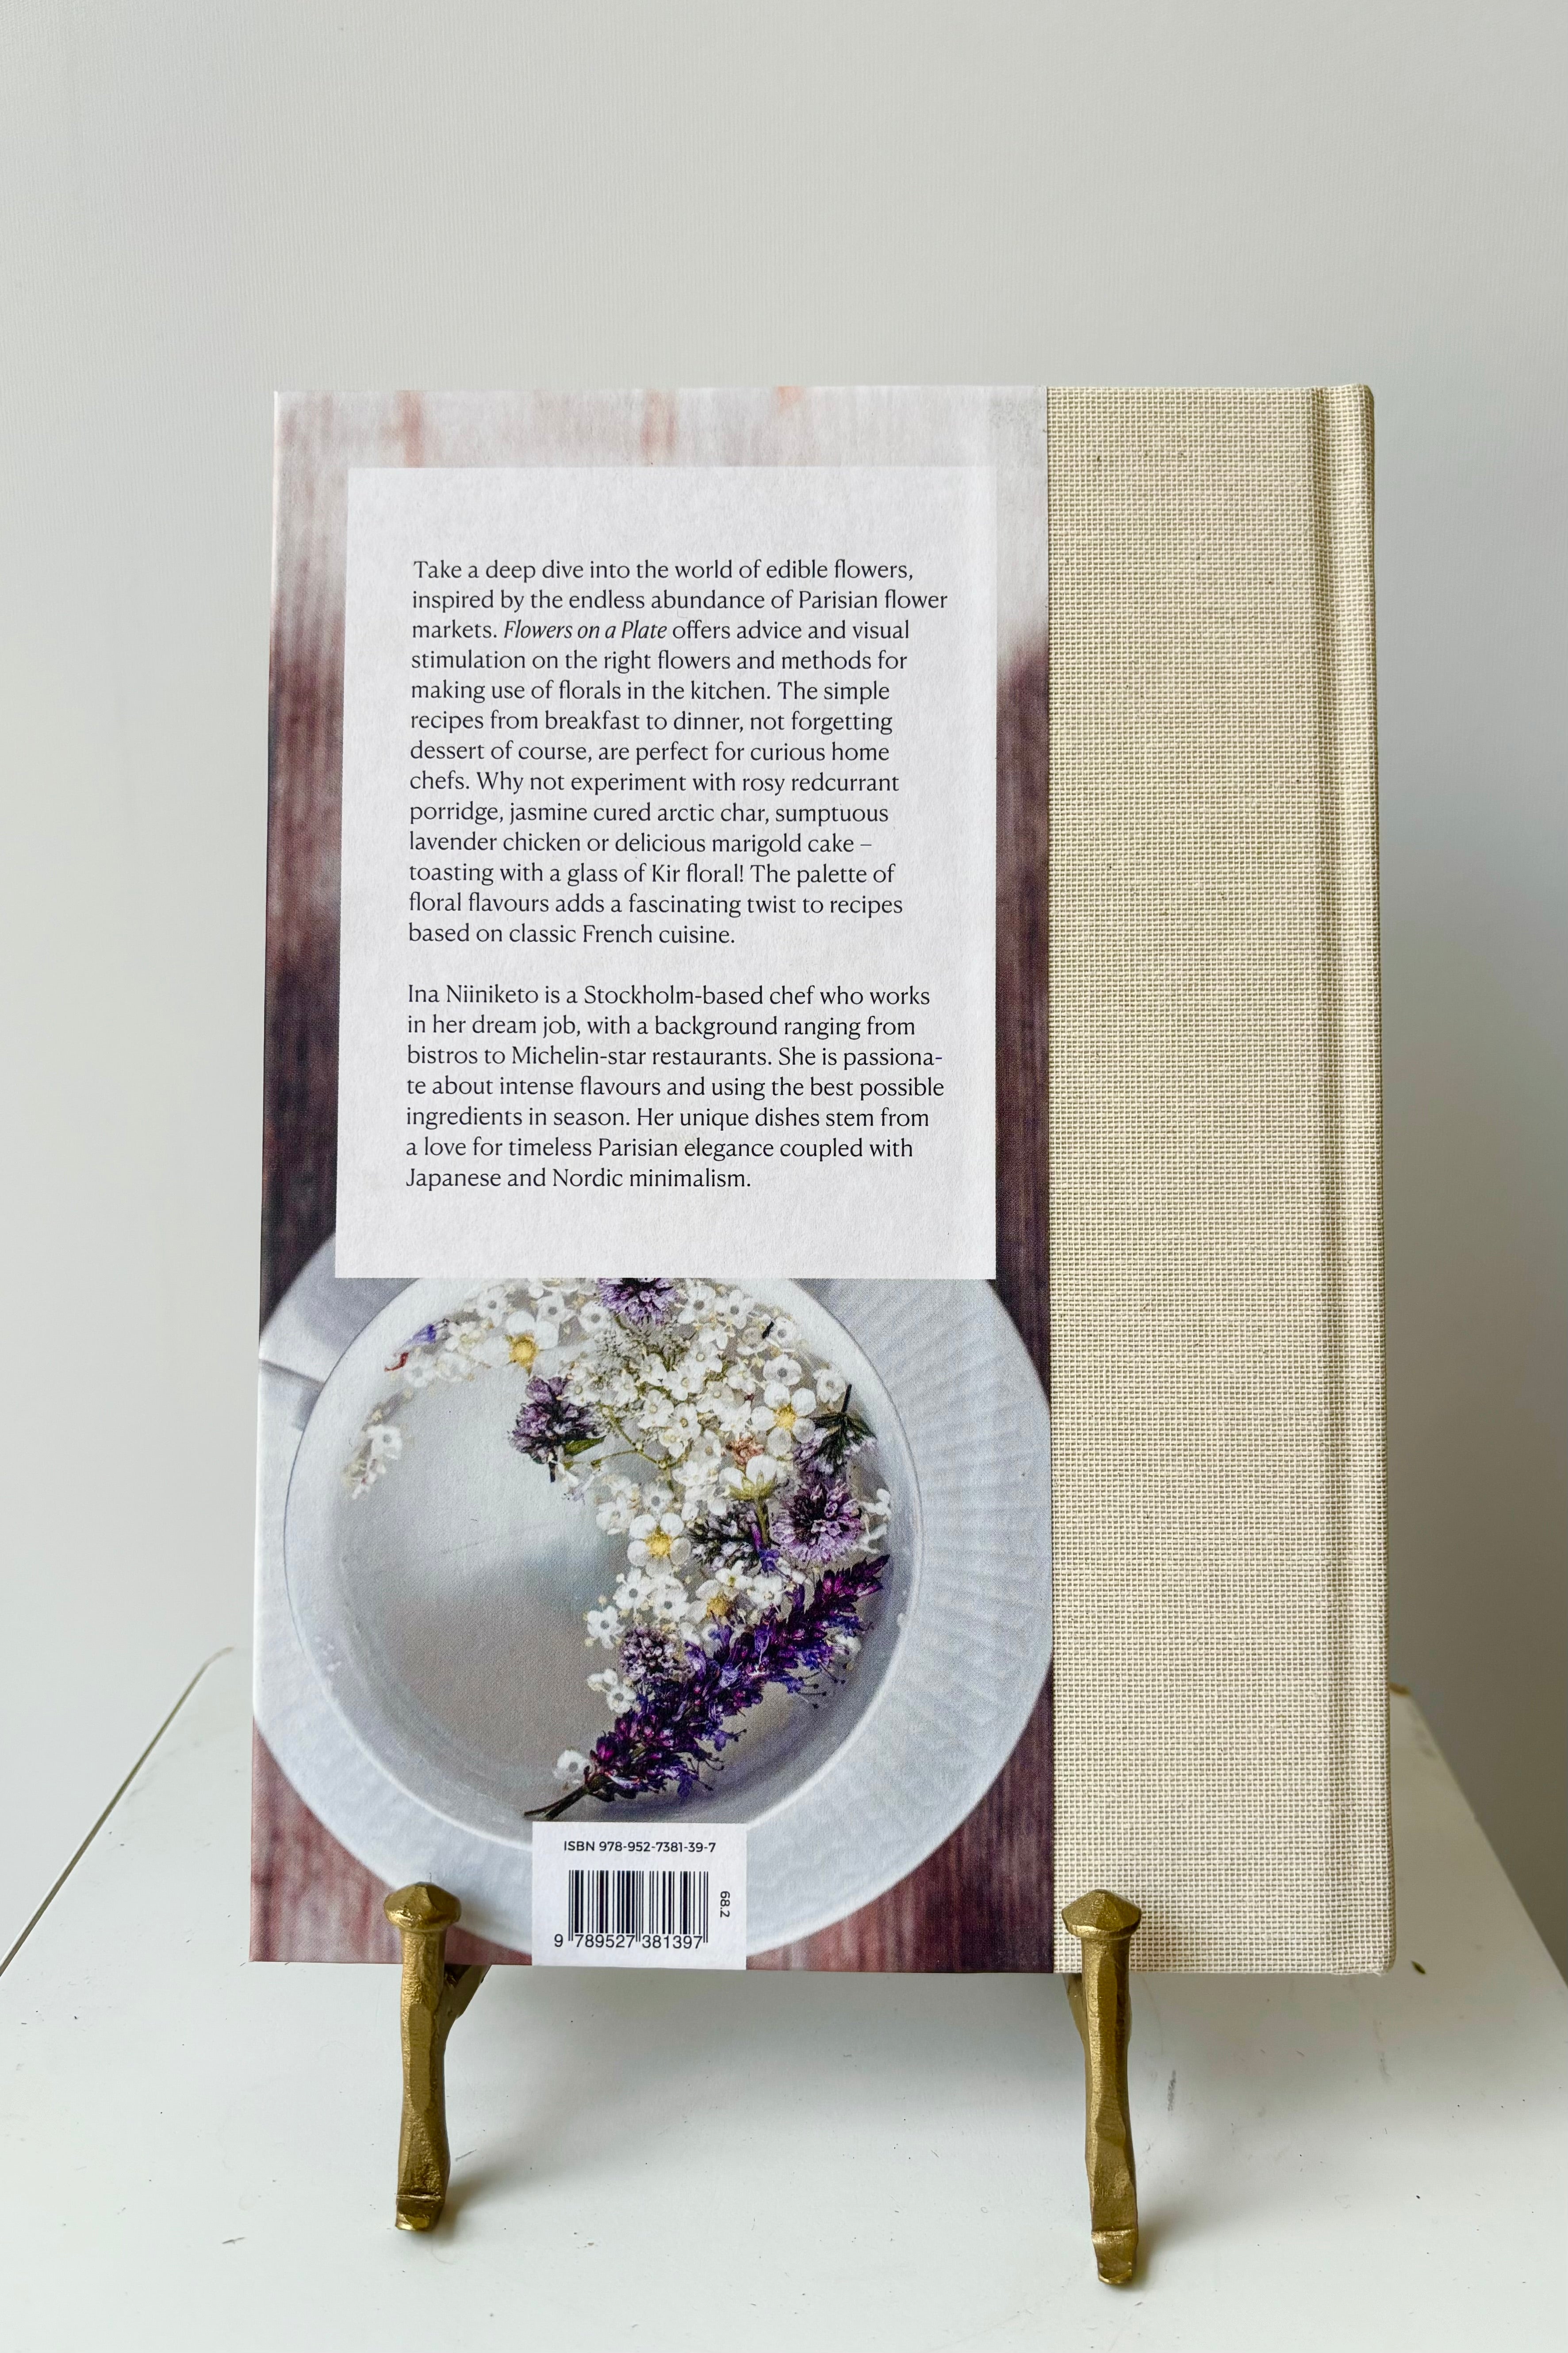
(984, 1901)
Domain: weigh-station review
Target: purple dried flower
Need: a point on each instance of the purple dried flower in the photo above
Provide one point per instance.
(680, 1722)
(552, 1426)
(820, 1520)
(647, 1657)
(425, 1337)
(641, 1299)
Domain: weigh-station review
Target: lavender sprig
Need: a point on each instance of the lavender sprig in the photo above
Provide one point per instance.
(682, 1714)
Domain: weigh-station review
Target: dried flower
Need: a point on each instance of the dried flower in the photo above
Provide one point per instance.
(820, 1519)
(552, 1426)
(838, 1431)
(640, 1299)
(681, 1716)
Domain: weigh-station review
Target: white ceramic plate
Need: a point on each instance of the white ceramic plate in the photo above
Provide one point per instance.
(420, 1658)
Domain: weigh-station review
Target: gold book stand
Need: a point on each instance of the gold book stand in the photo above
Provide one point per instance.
(435, 1994)
(1102, 2010)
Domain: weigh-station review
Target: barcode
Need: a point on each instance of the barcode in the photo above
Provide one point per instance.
(637, 1904)
(645, 1895)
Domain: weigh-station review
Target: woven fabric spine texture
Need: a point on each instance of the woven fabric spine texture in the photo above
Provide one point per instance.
(1216, 1354)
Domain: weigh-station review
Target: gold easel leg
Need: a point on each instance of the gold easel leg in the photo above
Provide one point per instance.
(1102, 2011)
(434, 1996)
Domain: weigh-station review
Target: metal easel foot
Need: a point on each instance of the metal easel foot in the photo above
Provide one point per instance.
(435, 1995)
(1101, 2009)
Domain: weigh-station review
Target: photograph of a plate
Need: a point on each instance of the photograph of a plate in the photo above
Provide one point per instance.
(424, 1661)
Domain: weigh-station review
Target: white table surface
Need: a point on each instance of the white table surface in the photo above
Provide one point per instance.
(198, 2153)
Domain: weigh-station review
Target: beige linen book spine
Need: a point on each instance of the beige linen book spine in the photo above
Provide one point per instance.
(1221, 1710)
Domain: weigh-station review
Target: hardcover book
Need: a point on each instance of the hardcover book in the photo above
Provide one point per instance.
(898, 867)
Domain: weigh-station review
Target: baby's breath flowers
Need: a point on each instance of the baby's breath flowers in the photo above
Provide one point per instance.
(690, 1418)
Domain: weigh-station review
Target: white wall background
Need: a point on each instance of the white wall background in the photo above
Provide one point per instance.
(203, 202)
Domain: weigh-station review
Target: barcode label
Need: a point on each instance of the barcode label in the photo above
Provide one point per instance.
(605, 1902)
(656, 1898)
